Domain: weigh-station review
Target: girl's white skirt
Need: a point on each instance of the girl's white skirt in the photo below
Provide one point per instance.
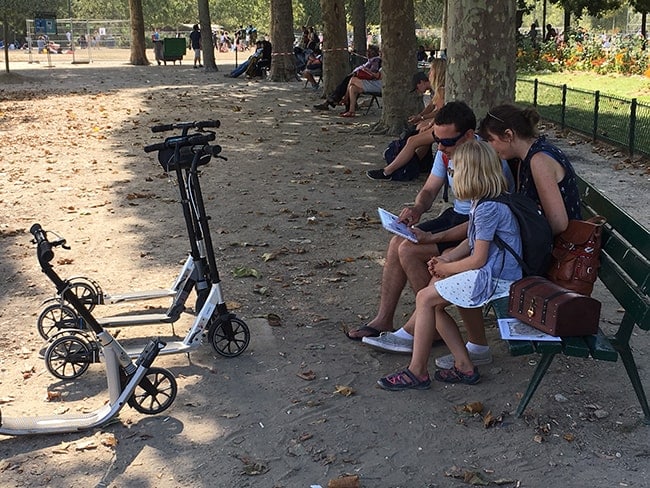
(459, 289)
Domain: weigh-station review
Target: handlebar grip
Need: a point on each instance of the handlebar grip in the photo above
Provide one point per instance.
(155, 147)
(208, 123)
(162, 128)
(43, 246)
(198, 139)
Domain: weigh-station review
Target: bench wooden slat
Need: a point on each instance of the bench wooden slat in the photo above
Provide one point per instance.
(600, 347)
(630, 261)
(576, 347)
(595, 202)
(632, 299)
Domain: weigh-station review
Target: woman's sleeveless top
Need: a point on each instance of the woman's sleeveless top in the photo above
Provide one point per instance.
(568, 186)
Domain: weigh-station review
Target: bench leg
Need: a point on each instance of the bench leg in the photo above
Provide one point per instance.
(633, 373)
(540, 371)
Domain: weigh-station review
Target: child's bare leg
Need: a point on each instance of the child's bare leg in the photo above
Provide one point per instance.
(426, 303)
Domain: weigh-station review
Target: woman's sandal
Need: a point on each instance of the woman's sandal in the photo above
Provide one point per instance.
(348, 114)
(454, 375)
(404, 380)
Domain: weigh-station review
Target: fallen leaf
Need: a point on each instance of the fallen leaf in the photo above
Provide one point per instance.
(243, 272)
(274, 320)
(308, 375)
(344, 390)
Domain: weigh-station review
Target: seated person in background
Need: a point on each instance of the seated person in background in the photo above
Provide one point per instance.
(256, 69)
(419, 143)
(421, 54)
(314, 67)
(363, 81)
(373, 65)
(251, 60)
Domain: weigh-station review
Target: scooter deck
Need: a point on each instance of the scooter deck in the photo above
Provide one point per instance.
(138, 295)
(148, 318)
(52, 424)
(171, 347)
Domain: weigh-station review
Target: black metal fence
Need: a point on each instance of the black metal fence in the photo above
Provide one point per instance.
(616, 120)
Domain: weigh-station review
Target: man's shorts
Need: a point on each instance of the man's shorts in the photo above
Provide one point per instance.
(446, 220)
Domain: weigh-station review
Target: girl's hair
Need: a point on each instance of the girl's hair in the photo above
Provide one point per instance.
(437, 73)
(477, 172)
(521, 121)
(372, 50)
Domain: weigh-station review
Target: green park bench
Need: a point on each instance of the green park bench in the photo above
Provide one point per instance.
(624, 271)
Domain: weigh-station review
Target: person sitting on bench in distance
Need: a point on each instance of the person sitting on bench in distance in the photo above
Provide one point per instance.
(420, 142)
(314, 67)
(370, 83)
(373, 65)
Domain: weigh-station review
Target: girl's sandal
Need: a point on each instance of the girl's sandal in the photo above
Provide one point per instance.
(404, 380)
(348, 114)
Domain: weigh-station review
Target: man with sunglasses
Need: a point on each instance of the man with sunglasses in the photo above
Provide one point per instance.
(454, 124)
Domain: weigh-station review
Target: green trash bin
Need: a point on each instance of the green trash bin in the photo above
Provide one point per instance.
(174, 49)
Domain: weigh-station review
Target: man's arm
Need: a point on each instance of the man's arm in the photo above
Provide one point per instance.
(423, 200)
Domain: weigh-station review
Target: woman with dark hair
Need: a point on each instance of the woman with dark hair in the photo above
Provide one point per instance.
(544, 173)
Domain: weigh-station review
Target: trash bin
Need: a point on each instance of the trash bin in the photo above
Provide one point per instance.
(174, 49)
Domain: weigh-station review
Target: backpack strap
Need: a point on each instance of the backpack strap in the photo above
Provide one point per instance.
(500, 243)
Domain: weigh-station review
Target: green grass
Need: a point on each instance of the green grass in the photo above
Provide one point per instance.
(624, 86)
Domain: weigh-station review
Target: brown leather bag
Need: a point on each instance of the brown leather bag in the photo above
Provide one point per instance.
(576, 255)
(550, 308)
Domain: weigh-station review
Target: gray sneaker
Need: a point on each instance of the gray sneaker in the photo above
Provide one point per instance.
(389, 342)
(447, 362)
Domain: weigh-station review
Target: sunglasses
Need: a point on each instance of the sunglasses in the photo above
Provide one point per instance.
(448, 141)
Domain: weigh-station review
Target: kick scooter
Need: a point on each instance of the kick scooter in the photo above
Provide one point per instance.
(148, 389)
(56, 314)
(72, 350)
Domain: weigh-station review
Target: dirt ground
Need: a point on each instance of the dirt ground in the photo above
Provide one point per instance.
(293, 203)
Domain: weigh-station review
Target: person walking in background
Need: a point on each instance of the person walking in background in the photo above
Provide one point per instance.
(195, 44)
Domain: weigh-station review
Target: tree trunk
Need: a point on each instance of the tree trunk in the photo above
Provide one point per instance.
(207, 46)
(359, 28)
(480, 54)
(6, 43)
(445, 19)
(138, 49)
(567, 24)
(283, 64)
(399, 63)
(336, 63)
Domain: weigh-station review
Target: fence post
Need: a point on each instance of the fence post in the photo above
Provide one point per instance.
(535, 85)
(596, 107)
(563, 113)
(632, 126)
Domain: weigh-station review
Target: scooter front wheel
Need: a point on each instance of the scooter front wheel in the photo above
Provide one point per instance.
(68, 357)
(55, 317)
(155, 392)
(229, 337)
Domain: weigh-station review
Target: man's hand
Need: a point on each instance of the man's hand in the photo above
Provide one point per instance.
(409, 216)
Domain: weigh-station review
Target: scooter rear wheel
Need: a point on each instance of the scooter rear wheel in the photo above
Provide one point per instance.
(85, 292)
(68, 357)
(55, 317)
(229, 337)
(155, 392)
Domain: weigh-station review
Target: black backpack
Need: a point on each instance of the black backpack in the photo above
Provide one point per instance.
(536, 234)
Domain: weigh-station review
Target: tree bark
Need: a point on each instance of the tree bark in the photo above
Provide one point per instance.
(138, 48)
(207, 46)
(336, 62)
(359, 39)
(399, 63)
(481, 53)
(283, 64)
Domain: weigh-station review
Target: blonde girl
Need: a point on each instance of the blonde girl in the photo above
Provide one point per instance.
(469, 275)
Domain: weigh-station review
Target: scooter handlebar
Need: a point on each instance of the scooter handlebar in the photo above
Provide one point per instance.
(203, 124)
(43, 246)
